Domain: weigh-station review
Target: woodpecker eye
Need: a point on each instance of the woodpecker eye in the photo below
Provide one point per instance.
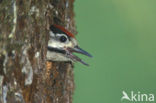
(63, 39)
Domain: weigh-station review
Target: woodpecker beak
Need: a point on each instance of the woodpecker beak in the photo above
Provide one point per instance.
(77, 49)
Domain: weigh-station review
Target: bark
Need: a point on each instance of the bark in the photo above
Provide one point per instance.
(25, 75)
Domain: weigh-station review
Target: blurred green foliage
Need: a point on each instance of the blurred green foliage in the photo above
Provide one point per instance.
(121, 35)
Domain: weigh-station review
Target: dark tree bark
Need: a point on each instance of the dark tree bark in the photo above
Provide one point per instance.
(25, 75)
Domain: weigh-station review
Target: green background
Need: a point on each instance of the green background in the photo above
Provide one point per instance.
(121, 35)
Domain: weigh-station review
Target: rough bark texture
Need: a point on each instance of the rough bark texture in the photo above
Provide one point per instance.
(25, 75)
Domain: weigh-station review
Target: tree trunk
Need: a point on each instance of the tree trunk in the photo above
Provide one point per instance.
(25, 75)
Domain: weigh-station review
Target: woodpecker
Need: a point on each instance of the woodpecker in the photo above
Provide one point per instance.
(62, 44)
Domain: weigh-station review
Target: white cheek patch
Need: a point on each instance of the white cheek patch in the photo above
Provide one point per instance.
(52, 34)
(55, 43)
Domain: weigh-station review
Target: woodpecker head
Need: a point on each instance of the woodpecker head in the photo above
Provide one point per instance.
(62, 44)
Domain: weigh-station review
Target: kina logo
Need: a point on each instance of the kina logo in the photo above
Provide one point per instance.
(137, 96)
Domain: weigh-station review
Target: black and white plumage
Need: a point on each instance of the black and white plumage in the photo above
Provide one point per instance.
(62, 44)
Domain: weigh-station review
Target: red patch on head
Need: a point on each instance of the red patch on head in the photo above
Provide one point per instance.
(64, 30)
